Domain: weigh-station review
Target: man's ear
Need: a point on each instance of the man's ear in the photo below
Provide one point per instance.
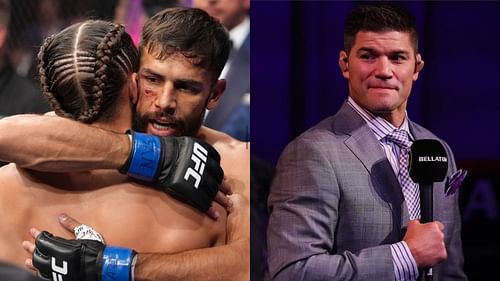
(419, 64)
(344, 64)
(217, 92)
(132, 88)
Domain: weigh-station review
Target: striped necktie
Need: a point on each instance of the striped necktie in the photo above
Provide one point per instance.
(410, 189)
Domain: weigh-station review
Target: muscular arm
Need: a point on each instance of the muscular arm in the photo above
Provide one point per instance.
(228, 262)
(58, 144)
(51, 143)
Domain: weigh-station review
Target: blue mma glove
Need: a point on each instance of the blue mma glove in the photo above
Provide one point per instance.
(184, 167)
(58, 259)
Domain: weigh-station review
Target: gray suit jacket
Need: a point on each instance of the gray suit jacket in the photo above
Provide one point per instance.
(336, 206)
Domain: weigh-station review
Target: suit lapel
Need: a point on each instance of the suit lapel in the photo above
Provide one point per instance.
(365, 146)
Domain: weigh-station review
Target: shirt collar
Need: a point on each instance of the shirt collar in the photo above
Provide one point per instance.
(239, 33)
(379, 126)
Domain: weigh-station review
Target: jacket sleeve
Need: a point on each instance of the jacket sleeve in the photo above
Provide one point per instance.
(304, 204)
(452, 268)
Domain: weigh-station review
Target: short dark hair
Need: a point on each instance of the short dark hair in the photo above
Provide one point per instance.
(378, 18)
(84, 68)
(191, 32)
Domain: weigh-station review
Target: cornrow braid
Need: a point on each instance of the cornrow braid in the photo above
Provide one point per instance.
(84, 68)
(43, 79)
(104, 55)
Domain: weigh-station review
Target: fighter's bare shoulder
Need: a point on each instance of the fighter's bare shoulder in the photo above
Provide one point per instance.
(222, 141)
(235, 158)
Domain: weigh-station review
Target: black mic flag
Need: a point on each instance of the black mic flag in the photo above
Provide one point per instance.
(428, 161)
(428, 164)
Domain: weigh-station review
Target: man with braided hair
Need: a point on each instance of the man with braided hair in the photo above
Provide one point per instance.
(182, 53)
(87, 73)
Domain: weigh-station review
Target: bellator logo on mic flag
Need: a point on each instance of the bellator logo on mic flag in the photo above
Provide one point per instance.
(432, 159)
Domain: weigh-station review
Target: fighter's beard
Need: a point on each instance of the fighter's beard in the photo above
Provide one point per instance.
(140, 123)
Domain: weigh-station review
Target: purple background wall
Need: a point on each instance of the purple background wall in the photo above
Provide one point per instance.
(296, 80)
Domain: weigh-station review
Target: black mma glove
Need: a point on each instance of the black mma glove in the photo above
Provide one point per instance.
(58, 259)
(184, 167)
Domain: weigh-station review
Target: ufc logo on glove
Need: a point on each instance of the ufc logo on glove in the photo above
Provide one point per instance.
(58, 271)
(173, 170)
(199, 157)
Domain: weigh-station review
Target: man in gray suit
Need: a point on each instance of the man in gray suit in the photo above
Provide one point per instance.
(340, 209)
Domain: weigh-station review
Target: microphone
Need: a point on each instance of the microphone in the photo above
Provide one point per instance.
(428, 164)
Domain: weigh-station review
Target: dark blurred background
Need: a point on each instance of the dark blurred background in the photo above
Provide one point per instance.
(31, 21)
(296, 83)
